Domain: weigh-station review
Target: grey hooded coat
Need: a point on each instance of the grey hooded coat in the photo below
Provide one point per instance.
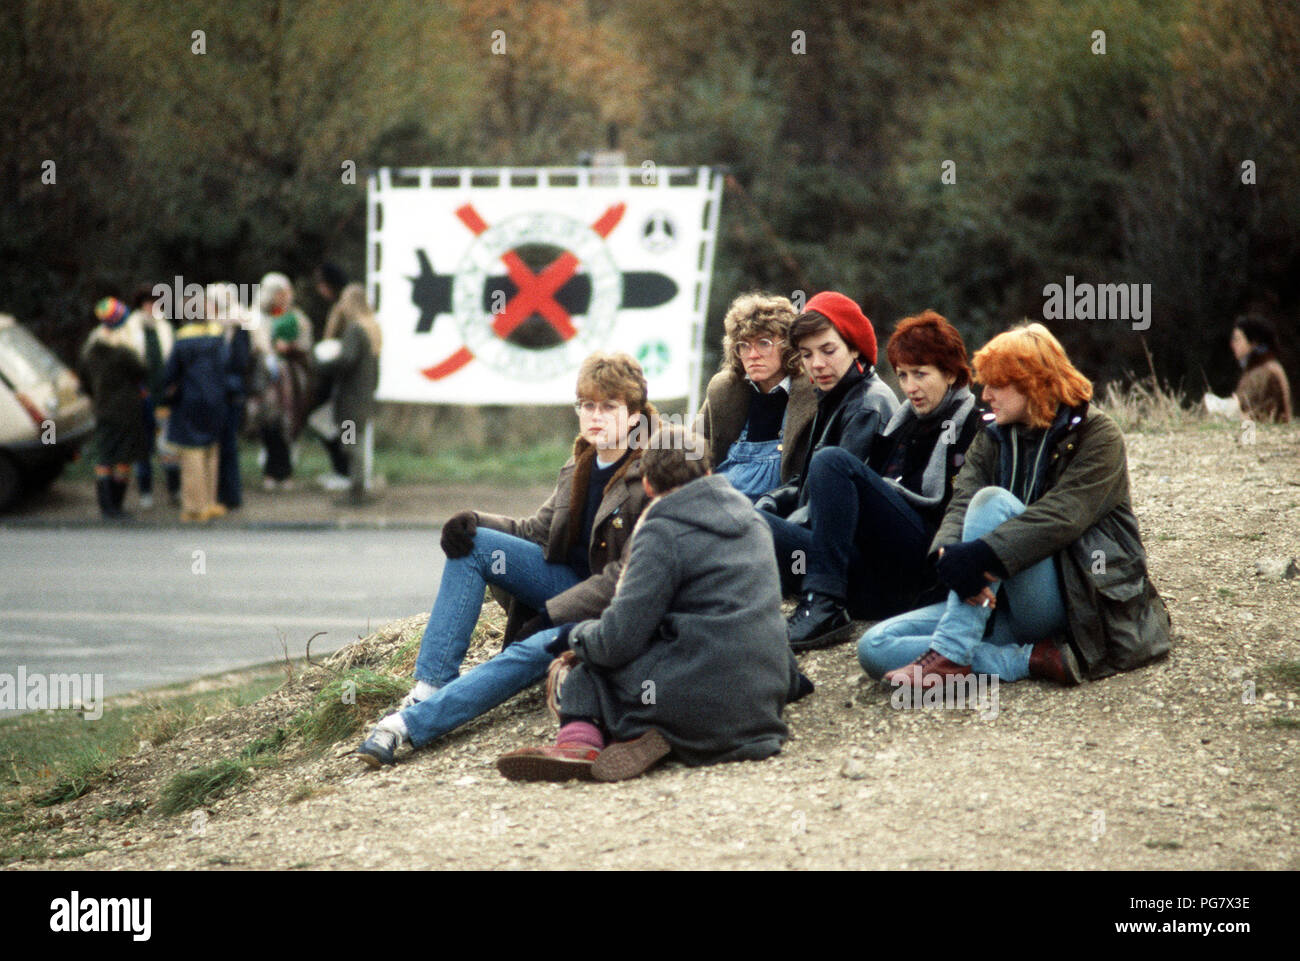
(693, 643)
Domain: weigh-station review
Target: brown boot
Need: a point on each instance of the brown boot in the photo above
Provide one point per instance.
(556, 762)
(1051, 660)
(628, 759)
(927, 670)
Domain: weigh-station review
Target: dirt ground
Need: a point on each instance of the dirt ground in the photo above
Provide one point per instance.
(1188, 763)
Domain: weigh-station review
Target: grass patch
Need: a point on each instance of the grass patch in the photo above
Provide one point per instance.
(1285, 673)
(1286, 723)
(29, 849)
(63, 756)
(1164, 845)
(197, 786)
(1226, 592)
(399, 461)
(346, 704)
(83, 771)
(1148, 404)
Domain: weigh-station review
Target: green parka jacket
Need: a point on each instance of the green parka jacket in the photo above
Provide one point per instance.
(1079, 514)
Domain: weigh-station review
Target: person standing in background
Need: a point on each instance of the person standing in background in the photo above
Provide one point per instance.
(224, 307)
(282, 378)
(113, 374)
(195, 390)
(354, 372)
(151, 337)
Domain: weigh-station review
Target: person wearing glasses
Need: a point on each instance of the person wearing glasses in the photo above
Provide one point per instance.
(759, 406)
(563, 562)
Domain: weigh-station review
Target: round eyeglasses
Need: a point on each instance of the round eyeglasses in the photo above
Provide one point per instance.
(763, 346)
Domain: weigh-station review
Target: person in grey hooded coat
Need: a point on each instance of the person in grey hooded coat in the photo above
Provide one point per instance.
(692, 646)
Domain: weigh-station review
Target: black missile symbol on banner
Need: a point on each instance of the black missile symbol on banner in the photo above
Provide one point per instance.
(431, 292)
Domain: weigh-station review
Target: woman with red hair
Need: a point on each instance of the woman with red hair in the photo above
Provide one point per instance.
(872, 522)
(1039, 535)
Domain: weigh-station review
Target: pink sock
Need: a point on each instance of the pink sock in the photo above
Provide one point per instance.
(581, 732)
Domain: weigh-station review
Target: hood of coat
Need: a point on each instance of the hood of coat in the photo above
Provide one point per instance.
(709, 503)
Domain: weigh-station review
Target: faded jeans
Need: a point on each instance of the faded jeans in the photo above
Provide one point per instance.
(518, 566)
(1030, 609)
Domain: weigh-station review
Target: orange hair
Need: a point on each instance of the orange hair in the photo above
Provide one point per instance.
(1030, 359)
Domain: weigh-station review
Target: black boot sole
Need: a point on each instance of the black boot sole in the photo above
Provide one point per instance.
(829, 638)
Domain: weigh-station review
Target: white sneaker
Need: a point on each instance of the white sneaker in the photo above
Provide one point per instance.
(334, 482)
(146, 501)
(270, 484)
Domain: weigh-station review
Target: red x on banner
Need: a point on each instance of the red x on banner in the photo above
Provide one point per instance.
(535, 293)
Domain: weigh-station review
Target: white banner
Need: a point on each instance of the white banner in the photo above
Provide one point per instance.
(492, 285)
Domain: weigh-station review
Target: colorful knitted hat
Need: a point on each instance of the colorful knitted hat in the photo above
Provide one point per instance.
(110, 312)
(849, 320)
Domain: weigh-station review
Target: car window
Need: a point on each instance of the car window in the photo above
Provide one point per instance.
(24, 360)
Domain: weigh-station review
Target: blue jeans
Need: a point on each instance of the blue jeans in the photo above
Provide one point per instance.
(1030, 609)
(516, 565)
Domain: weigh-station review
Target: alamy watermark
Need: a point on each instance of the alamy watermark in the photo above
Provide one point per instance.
(182, 301)
(53, 692)
(1084, 301)
(951, 692)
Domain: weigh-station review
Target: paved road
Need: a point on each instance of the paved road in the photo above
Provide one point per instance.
(151, 606)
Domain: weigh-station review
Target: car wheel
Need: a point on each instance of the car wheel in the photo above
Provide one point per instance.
(10, 483)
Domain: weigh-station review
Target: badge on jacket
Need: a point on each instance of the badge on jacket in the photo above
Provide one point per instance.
(618, 522)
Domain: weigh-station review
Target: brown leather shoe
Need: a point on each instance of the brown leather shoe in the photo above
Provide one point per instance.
(1053, 660)
(629, 759)
(558, 762)
(926, 671)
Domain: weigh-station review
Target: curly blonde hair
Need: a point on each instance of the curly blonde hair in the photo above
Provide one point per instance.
(757, 314)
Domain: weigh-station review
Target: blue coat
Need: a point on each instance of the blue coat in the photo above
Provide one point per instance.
(196, 385)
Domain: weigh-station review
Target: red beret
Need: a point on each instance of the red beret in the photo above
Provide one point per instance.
(849, 321)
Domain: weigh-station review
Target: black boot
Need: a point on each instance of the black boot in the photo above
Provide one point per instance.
(104, 494)
(117, 490)
(818, 621)
(173, 475)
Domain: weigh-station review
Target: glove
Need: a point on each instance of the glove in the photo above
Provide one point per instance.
(561, 643)
(962, 567)
(766, 503)
(538, 622)
(458, 534)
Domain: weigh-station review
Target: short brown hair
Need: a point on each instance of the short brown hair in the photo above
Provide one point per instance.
(928, 338)
(812, 322)
(757, 314)
(676, 456)
(613, 377)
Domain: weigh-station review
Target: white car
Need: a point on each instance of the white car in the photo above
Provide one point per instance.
(45, 416)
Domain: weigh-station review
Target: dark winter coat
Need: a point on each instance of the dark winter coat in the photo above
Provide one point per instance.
(1079, 514)
(926, 473)
(849, 415)
(694, 643)
(196, 385)
(552, 529)
(726, 408)
(355, 373)
(114, 377)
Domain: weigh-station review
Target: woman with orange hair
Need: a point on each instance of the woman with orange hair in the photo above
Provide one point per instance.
(1039, 535)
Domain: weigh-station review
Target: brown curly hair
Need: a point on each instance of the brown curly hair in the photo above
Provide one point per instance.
(928, 338)
(757, 314)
